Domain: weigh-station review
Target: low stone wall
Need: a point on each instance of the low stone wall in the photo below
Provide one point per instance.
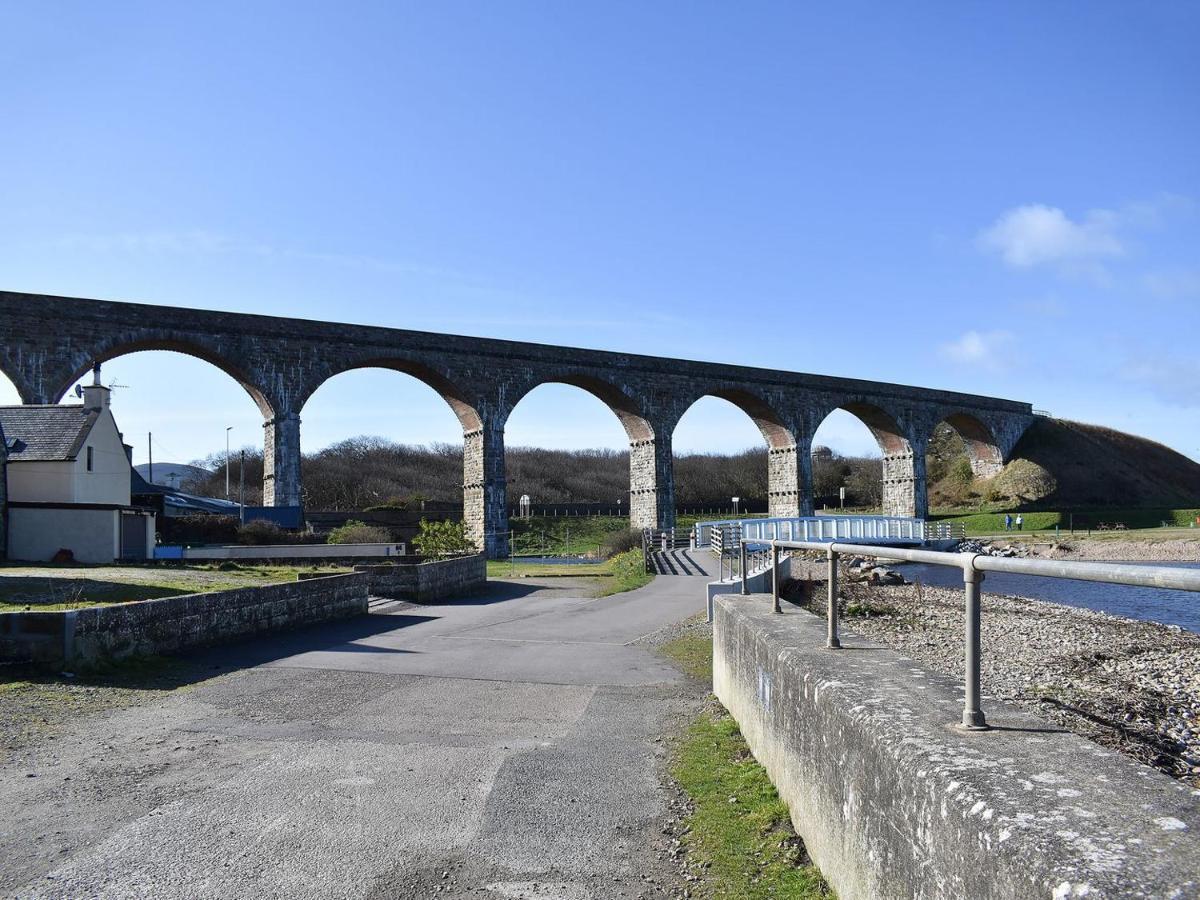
(169, 624)
(427, 582)
(892, 800)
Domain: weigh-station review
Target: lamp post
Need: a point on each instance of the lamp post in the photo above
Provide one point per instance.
(228, 429)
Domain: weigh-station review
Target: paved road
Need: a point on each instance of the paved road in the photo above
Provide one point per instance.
(502, 747)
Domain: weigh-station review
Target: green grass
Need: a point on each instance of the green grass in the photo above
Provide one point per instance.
(739, 826)
(741, 850)
(628, 571)
(566, 535)
(693, 653)
(1135, 519)
(624, 572)
(502, 568)
(580, 535)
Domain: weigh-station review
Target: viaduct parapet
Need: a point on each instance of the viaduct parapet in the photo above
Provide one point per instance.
(48, 343)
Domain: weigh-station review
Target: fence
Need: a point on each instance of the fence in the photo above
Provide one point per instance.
(974, 567)
(881, 529)
(661, 542)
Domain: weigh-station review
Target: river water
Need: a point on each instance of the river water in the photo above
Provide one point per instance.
(1180, 608)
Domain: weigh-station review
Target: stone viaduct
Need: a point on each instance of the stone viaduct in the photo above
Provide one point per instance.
(48, 343)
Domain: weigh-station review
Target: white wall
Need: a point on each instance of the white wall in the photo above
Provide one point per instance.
(41, 482)
(108, 482)
(69, 481)
(35, 535)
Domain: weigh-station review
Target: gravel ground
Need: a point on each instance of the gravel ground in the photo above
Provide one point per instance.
(1186, 550)
(1130, 685)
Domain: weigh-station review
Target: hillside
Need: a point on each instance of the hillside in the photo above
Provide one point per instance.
(172, 474)
(1063, 465)
(1057, 465)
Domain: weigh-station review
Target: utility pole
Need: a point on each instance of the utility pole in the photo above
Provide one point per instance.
(150, 454)
(242, 489)
(227, 430)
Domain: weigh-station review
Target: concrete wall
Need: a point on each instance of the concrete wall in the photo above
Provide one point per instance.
(428, 581)
(893, 801)
(100, 633)
(93, 535)
(36, 534)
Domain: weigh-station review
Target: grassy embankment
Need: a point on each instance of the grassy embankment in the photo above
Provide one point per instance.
(586, 535)
(1143, 521)
(51, 588)
(738, 835)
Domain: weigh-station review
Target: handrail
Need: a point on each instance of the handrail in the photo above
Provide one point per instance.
(974, 566)
(902, 529)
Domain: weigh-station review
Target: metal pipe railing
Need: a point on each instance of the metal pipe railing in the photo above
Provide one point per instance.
(974, 566)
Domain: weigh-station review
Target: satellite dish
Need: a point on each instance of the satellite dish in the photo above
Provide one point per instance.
(79, 390)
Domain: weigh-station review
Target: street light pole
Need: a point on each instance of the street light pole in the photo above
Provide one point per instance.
(227, 430)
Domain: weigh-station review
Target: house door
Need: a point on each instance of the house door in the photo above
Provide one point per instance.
(133, 536)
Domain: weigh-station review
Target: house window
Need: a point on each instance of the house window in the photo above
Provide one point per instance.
(91, 459)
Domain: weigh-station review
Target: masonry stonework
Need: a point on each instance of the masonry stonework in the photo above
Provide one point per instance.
(170, 624)
(282, 362)
(429, 581)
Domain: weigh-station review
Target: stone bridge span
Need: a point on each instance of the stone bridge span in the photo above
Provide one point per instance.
(48, 343)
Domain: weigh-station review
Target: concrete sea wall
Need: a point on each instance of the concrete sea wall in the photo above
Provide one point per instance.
(893, 801)
(169, 624)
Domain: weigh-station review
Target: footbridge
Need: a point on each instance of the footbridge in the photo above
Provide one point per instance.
(48, 343)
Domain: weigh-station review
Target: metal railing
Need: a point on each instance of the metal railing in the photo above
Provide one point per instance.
(945, 531)
(898, 529)
(974, 566)
(661, 541)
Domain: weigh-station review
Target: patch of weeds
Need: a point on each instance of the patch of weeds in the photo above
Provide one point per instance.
(739, 837)
(864, 609)
(693, 652)
(628, 573)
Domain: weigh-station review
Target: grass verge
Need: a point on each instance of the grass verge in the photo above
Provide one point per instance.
(738, 836)
(624, 572)
(502, 568)
(628, 572)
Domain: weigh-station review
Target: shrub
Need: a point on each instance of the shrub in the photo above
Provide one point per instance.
(198, 529)
(359, 533)
(444, 538)
(621, 542)
(261, 532)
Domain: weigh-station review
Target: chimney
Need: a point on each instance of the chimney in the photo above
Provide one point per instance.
(96, 395)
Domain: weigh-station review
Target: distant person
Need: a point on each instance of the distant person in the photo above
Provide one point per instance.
(1020, 522)
(1008, 522)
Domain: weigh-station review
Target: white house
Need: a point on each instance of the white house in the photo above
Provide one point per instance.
(68, 475)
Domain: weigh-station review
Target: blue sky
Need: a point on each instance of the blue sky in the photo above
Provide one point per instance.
(1001, 198)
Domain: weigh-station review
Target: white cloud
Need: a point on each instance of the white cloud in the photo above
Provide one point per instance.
(1037, 234)
(978, 348)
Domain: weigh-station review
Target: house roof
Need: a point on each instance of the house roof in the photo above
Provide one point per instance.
(46, 433)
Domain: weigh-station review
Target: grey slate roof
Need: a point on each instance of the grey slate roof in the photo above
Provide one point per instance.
(46, 433)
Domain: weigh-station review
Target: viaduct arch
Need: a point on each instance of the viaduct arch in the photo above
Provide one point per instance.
(48, 342)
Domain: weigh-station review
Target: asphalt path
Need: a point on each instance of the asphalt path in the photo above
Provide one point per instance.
(503, 746)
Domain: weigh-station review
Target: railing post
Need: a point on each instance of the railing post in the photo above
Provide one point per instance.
(742, 564)
(972, 717)
(775, 578)
(832, 642)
